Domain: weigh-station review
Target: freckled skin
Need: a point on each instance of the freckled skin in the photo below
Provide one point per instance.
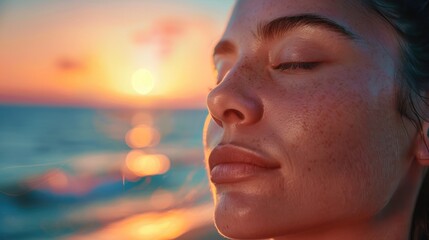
(346, 158)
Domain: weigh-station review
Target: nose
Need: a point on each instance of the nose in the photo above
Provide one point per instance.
(233, 102)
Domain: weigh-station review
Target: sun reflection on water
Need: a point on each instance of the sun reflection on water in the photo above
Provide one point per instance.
(142, 164)
(142, 136)
(170, 224)
(156, 207)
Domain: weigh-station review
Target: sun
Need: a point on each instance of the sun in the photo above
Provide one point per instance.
(142, 81)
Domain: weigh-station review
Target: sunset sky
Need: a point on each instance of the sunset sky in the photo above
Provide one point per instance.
(109, 53)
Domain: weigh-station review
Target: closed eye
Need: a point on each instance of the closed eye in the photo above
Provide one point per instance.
(290, 66)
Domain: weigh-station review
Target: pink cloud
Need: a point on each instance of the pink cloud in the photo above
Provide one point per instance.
(66, 64)
(162, 34)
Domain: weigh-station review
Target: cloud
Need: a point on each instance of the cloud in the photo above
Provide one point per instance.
(162, 34)
(66, 64)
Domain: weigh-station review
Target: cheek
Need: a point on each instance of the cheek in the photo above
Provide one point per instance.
(338, 136)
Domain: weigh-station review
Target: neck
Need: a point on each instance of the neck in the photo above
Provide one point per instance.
(393, 222)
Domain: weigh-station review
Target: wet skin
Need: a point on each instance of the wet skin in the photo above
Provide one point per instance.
(309, 88)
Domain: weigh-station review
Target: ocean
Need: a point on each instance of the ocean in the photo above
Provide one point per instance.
(81, 173)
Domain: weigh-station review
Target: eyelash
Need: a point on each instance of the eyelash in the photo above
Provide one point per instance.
(286, 67)
(296, 66)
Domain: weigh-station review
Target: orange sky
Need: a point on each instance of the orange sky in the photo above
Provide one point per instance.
(109, 53)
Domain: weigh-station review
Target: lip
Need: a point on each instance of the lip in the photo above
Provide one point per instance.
(231, 163)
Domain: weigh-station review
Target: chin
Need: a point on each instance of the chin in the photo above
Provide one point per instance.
(241, 219)
(235, 229)
(239, 216)
(235, 218)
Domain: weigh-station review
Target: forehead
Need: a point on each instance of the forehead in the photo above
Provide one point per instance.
(249, 14)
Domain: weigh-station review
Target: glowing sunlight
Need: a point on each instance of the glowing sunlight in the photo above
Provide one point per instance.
(102, 105)
(143, 82)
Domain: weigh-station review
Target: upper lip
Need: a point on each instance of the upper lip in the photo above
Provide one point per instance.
(230, 153)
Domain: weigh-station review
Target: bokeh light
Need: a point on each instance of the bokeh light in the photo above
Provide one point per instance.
(142, 164)
(170, 224)
(142, 136)
(103, 134)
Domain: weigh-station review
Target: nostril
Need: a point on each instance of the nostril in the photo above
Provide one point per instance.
(232, 115)
(218, 122)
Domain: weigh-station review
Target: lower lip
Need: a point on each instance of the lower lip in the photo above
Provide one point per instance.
(234, 172)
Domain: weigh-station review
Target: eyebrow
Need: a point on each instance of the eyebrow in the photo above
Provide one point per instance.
(279, 26)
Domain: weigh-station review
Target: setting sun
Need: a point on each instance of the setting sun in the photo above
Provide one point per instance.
(114, 59)
(102, 107)
(142, 81)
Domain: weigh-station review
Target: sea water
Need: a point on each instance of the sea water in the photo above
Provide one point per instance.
(64, 171)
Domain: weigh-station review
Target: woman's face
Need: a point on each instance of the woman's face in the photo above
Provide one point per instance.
(304, 129)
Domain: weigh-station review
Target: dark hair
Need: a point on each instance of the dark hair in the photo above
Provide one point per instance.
(410, 19)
